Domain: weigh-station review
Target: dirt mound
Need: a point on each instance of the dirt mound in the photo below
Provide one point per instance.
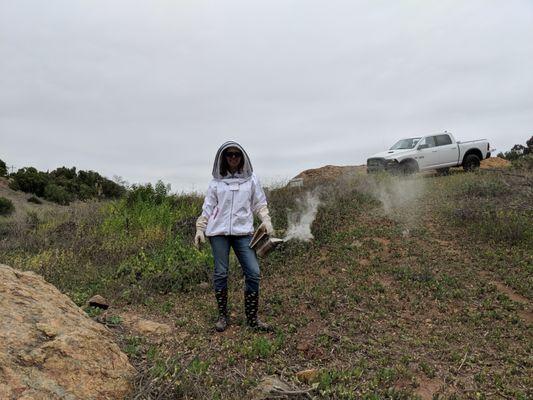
(50, 349)
(330, 172)
(495, 162)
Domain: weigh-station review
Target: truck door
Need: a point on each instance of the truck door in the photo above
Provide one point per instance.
(426, 157)
(447, 151)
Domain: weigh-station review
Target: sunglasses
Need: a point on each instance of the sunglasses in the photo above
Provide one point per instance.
(233, 154)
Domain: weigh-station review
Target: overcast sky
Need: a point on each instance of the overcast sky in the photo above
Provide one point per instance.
(148, 90)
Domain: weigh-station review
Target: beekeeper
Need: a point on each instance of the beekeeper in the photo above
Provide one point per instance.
(232, 198)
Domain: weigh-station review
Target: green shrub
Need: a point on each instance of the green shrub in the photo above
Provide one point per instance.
(175, 266)
(86, 192)
(65, 173)
(30, 180)
(111, 190)
(66, 184)
(57, 194)
(6, 206)
(523, 163)
(148, 194)
(518, 151)
(3, 168)
(145, 208)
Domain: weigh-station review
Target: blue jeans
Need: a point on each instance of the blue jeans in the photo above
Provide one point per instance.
(220, 246)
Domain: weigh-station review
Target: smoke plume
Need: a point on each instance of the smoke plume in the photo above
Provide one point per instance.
(398, 193)
(300, 220)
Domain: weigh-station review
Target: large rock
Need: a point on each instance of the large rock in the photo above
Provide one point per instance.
(50, 349)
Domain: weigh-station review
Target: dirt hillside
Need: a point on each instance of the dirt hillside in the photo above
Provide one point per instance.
(20, 200)
(495, 162)
(329, 172)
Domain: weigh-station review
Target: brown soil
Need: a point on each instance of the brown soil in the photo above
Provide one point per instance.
(495, 162)
(428, 387)
(330, 172)
(527, 314)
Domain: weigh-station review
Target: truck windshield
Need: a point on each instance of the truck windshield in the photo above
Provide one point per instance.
(405, 144)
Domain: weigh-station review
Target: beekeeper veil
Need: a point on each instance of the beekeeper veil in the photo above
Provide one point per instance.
(246, 171)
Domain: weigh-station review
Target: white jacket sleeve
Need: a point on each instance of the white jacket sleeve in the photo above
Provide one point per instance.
(258, 195)
(211, 200)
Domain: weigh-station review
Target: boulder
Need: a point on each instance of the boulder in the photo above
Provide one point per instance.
(98, 302)
(50, 349)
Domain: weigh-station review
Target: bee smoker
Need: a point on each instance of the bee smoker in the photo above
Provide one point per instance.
(263, 244)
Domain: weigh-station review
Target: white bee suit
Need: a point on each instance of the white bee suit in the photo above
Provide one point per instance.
(232, 200)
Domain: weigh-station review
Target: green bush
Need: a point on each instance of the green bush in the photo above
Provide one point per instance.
(66, 184)
(174, 266)
(3, 168)
(518, 151)
(111, 190)
(57, 194)
(146, 209)
(85, 192)
(148, 194)
(524, 163)
(30, 180)
(6, 206)
(65, 173)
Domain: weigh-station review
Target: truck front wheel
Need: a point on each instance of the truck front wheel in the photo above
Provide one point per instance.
(408, 167)
(471, 163)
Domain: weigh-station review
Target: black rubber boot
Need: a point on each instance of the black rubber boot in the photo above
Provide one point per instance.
(251, 304)
(222, 304)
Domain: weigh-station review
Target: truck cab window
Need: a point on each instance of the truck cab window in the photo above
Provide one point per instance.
(429, 140)
(443, 140)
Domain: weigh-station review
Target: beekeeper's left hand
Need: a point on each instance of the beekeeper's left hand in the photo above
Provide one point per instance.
(266, 223)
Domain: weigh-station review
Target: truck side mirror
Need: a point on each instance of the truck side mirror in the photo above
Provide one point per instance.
(423, 146)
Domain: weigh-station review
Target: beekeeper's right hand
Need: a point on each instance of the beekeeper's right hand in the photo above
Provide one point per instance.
(201, 225)
(199, 238)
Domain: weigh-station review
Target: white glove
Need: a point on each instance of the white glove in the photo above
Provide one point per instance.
(266, 223)
(201, 225)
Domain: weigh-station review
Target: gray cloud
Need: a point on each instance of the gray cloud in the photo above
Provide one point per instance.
(149, 89)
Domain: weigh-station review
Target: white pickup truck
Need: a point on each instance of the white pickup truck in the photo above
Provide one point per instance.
(432, 152)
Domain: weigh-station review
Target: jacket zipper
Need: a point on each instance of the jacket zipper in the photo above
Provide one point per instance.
(231, 213)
